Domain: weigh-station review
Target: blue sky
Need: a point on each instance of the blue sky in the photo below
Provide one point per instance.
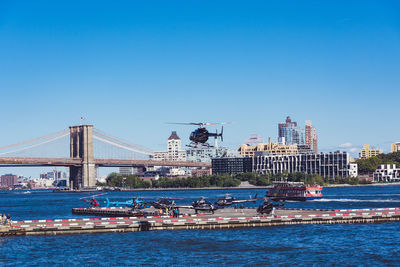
(131, 66)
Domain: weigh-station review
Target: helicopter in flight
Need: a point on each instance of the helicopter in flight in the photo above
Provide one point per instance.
(199, 137)
(229, 200)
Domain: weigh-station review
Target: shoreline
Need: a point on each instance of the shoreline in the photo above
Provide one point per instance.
(213, 188)
(247, 187)
(196, 188)
(349, 185)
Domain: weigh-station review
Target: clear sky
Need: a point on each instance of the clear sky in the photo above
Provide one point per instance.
(131, 66)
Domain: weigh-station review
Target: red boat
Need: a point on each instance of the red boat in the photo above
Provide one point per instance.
(294, 191)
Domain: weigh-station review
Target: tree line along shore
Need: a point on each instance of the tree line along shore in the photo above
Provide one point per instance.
(369, 165)
(224, 180)
(365, 166)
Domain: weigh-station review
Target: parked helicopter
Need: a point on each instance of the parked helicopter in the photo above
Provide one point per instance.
(268, 207)
(163, 203)
(93, 201)
(166, 203)
(229, 200)
(200, 135)
(198, 205)
(203, 205)
(135, 203)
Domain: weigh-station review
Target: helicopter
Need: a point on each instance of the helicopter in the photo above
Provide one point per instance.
(92, 202)
(199, 137)
(268, 207)
(228, 200)
(166, 203)
(203, 205)
(163, 203)
(135, 203)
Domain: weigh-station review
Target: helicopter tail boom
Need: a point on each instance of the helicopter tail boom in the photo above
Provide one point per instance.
(216, 134)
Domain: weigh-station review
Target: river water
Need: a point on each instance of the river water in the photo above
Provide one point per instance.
(367, 244)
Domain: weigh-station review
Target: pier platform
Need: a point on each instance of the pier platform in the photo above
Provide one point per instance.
(222, 219)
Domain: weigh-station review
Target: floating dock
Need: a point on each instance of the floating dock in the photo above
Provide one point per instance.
(224, 219)
(110, 212)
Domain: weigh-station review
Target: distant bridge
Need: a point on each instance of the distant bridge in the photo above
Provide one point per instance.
(82, 163)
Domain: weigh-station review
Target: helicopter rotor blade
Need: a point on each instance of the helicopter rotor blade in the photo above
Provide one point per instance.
(91, 196)
(216, 123)
(199, 123)
(186, 123)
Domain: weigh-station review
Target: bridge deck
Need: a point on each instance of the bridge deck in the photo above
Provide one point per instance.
(30, 161)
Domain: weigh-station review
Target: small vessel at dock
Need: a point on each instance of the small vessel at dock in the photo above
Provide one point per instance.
(296, 191)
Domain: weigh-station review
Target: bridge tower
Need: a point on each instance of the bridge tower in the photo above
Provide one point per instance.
(81, 147)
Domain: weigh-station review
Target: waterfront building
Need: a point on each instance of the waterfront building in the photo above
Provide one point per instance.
(130, 170)
(127, 170)
(304, 149)
(44, 183)
(54, 178)
(387, 173)
(176, 172)
(231, 165)
(291, 133)
(174, 146)
(205, 154)
(333, 164)
(8, 180)
(311, 138)
(368, 152)
(396, 147)
(174, 150)
(54, 175)
(174, 153)
(200, 172)
(328, 165)
(247, 150)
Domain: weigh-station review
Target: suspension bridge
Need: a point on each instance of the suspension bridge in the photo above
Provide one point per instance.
(89, 148)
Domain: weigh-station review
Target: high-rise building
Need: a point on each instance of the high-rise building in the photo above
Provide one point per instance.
(311, 137)
(174, 145)
(396, 147)
(291, 133)
(368, 152)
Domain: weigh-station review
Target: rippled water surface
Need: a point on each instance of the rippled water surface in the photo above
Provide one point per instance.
(367, 244)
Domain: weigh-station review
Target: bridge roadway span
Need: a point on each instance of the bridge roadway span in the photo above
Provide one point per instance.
(227, 218)
(28, 161)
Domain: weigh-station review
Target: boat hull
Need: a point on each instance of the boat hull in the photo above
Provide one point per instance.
(274, 198)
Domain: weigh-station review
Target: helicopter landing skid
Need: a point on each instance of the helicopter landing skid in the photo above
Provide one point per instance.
(196, 145)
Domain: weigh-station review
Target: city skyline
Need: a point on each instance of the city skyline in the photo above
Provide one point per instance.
(129, 68)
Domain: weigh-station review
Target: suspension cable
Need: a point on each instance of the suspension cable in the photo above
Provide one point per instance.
(35, 145)
(121, 146)
(35, 139)
(121, 143)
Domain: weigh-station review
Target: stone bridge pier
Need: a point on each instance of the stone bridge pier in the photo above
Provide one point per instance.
(81, 147)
